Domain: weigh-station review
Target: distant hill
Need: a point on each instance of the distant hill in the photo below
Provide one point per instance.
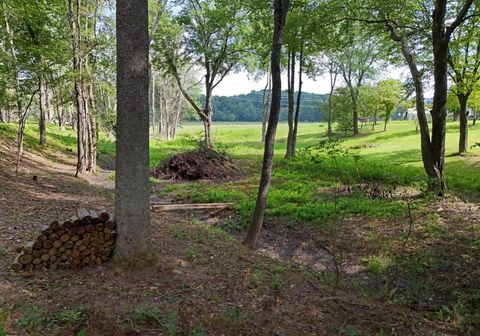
(248, 107)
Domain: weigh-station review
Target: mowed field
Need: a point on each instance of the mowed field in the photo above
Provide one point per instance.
(397, 148)
(400, 138)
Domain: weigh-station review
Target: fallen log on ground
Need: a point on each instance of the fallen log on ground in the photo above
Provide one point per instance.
(194, 206)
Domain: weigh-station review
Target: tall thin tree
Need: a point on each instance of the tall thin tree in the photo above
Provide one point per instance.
(280, 14)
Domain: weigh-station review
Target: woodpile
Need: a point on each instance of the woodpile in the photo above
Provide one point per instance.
(85, 239)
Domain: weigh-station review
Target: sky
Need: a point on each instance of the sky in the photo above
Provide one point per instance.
(240, 83)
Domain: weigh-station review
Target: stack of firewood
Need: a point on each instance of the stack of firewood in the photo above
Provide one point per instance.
(86, 239)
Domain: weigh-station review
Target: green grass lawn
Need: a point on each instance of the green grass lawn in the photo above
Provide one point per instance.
(392, 157)
(298, 186)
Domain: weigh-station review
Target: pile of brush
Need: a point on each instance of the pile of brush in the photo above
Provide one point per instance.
(197, 164)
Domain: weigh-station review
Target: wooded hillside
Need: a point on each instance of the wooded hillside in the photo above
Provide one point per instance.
(249, 107)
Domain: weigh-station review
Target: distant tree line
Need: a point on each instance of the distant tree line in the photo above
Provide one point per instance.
(248, 107)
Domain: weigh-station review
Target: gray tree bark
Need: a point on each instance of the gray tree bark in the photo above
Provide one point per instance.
(267, 92)
(291, 100)
(132, 190)
(333, 72)
(153, 103)
(293, 146)
(43, 118)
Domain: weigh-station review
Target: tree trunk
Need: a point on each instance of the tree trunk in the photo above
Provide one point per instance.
(77, 65)
(22, 120)
(176, 121)
(207, 118)
(281, 9)
(333, 80)
(2, 120)
(354, 95)
(80, 123)
(297, 107)
(385, 124)
(207, 124)
(42, 109)
(59, 109)
(161, 112)
(153, 103)
(439, 111)
(88, 129)
(93, 126)
(291, 89)
(329, 116)
(266, 100)
(132, 189)
(61, 116)
(426, 146)
(48, 103)
(463, 140)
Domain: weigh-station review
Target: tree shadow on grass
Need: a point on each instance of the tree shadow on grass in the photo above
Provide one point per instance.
(434, 270)
(400, 157)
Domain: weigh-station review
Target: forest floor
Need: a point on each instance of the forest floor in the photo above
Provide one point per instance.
(356, 274)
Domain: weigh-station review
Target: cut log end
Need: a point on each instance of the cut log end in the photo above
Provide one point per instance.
(87, 239)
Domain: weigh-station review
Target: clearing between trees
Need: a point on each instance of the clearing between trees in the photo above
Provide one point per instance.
(333, 259)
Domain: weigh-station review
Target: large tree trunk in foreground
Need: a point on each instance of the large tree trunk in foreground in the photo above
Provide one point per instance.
(463, 140)
(281, 9)
(440, 39)
(433, 148)
(132, 190)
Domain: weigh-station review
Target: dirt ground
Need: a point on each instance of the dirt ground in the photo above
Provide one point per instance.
(205, 282)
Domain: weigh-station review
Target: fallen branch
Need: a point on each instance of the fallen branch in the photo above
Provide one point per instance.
(196, 206)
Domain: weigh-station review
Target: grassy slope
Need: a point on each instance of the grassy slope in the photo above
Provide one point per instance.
(399, 146)
(391, 157)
